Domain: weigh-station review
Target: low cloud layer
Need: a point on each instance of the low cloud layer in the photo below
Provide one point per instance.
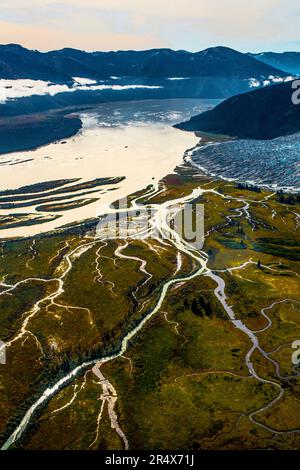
(14, 89)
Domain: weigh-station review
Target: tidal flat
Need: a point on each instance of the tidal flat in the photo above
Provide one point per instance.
(113, 342)
(215, 345)
(133, 143)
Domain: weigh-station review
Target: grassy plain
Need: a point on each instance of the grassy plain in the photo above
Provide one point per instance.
(183, 382)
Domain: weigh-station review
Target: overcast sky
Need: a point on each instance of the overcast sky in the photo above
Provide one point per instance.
(246, 25)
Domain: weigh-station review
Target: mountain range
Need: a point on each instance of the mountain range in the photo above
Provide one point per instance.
(288, 61)
(62, 65)
(214, 73)
(265, 113)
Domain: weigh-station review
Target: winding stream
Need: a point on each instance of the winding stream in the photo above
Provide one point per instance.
(159, 223)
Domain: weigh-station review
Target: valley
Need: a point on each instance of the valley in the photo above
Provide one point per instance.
(116, 360)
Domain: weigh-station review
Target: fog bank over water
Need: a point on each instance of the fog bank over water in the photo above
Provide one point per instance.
(22, 88)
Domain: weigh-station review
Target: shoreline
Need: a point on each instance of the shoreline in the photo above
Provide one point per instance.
(143, 153)
(81, 226)
(29, 133)
(37, 408)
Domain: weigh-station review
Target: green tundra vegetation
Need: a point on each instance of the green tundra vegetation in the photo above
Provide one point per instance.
(183, 381)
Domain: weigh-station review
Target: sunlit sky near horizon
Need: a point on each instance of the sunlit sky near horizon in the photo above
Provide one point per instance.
(259, 25)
